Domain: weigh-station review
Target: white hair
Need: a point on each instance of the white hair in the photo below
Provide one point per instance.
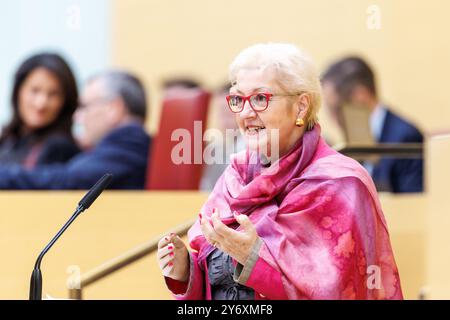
(294, 70)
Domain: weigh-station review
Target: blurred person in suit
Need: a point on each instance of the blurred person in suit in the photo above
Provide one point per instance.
(109, 125)
(44, 98)
(180, 83)
(231, 141)
(175, 86)
(352, 81)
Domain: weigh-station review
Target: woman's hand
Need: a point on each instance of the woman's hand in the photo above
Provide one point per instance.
(237, 244)
(173, 258)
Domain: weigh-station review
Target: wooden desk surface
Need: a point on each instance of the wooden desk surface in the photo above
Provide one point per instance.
(116, 222)
(120, 220)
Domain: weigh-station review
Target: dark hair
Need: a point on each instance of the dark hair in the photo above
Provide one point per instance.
(345, 74)
(128, 87)
(187, 83)
(59, 67)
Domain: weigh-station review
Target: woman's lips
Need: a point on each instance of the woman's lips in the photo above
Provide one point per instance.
(254, 130)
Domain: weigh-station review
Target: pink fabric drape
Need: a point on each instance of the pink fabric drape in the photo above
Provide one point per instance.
(319, 217)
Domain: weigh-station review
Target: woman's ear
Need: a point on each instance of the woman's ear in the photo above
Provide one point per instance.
(303, 104)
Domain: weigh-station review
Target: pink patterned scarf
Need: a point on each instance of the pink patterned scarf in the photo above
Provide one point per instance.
(319, 217)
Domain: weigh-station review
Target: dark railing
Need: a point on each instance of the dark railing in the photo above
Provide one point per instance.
(392, 150)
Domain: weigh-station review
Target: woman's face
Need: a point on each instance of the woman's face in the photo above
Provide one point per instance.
(260, 128)
(40, 99)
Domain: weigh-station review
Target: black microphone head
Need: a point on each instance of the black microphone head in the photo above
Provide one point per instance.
(95, 191)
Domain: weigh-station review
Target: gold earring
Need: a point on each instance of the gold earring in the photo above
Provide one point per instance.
(299, 122)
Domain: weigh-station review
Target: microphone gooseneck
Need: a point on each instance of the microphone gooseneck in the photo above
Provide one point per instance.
(95, 191)
(85, 203)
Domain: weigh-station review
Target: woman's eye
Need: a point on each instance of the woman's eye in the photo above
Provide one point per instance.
(260, 98)
(236, 100)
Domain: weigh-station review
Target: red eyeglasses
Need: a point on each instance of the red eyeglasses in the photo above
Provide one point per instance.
(258, 101)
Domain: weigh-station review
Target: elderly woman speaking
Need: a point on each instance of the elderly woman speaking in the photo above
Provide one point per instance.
(290, 218)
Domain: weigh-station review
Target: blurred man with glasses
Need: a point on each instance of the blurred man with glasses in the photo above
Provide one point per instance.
(109, 126)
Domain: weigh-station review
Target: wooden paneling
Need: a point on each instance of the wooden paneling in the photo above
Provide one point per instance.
(115, 223)
(119, 221)
(438, 217)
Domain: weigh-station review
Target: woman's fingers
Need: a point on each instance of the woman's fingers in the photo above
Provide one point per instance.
(220, 228)
(167, 269)
(173, 257)
(177, 242)
(168, 249)
(165, 261)
(205, 230)
(208, 231)
(245, 223)
(164, 240)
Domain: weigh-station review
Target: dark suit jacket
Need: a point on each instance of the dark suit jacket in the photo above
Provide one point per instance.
(399, 175)
(32, 150)
(124, 153)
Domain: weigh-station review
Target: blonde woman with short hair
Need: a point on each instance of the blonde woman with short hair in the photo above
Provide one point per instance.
(290, 218)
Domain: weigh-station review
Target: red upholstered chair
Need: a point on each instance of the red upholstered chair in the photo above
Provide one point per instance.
(179, 111)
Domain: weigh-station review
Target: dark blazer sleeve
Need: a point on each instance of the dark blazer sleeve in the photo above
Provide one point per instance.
(80, 173)
(125, 161)
(42, 177)
(57, 149)
(408, 176)
(405, 175)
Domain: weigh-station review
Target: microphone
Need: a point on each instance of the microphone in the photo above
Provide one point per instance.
(95, 191)
(85, 203)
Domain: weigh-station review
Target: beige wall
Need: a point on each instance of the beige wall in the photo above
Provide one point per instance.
(410, 52)
(438, 218)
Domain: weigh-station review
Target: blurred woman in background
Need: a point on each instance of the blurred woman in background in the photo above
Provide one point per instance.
(44, 98)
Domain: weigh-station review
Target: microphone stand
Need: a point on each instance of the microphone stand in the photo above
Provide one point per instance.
(85, 203)
(36, 276)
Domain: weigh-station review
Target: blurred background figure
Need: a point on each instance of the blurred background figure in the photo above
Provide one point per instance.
(44, 98)
(111, 100)
(226, 124)
(109, 126)
(176, 160)
(351, 82)
(172, 87)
